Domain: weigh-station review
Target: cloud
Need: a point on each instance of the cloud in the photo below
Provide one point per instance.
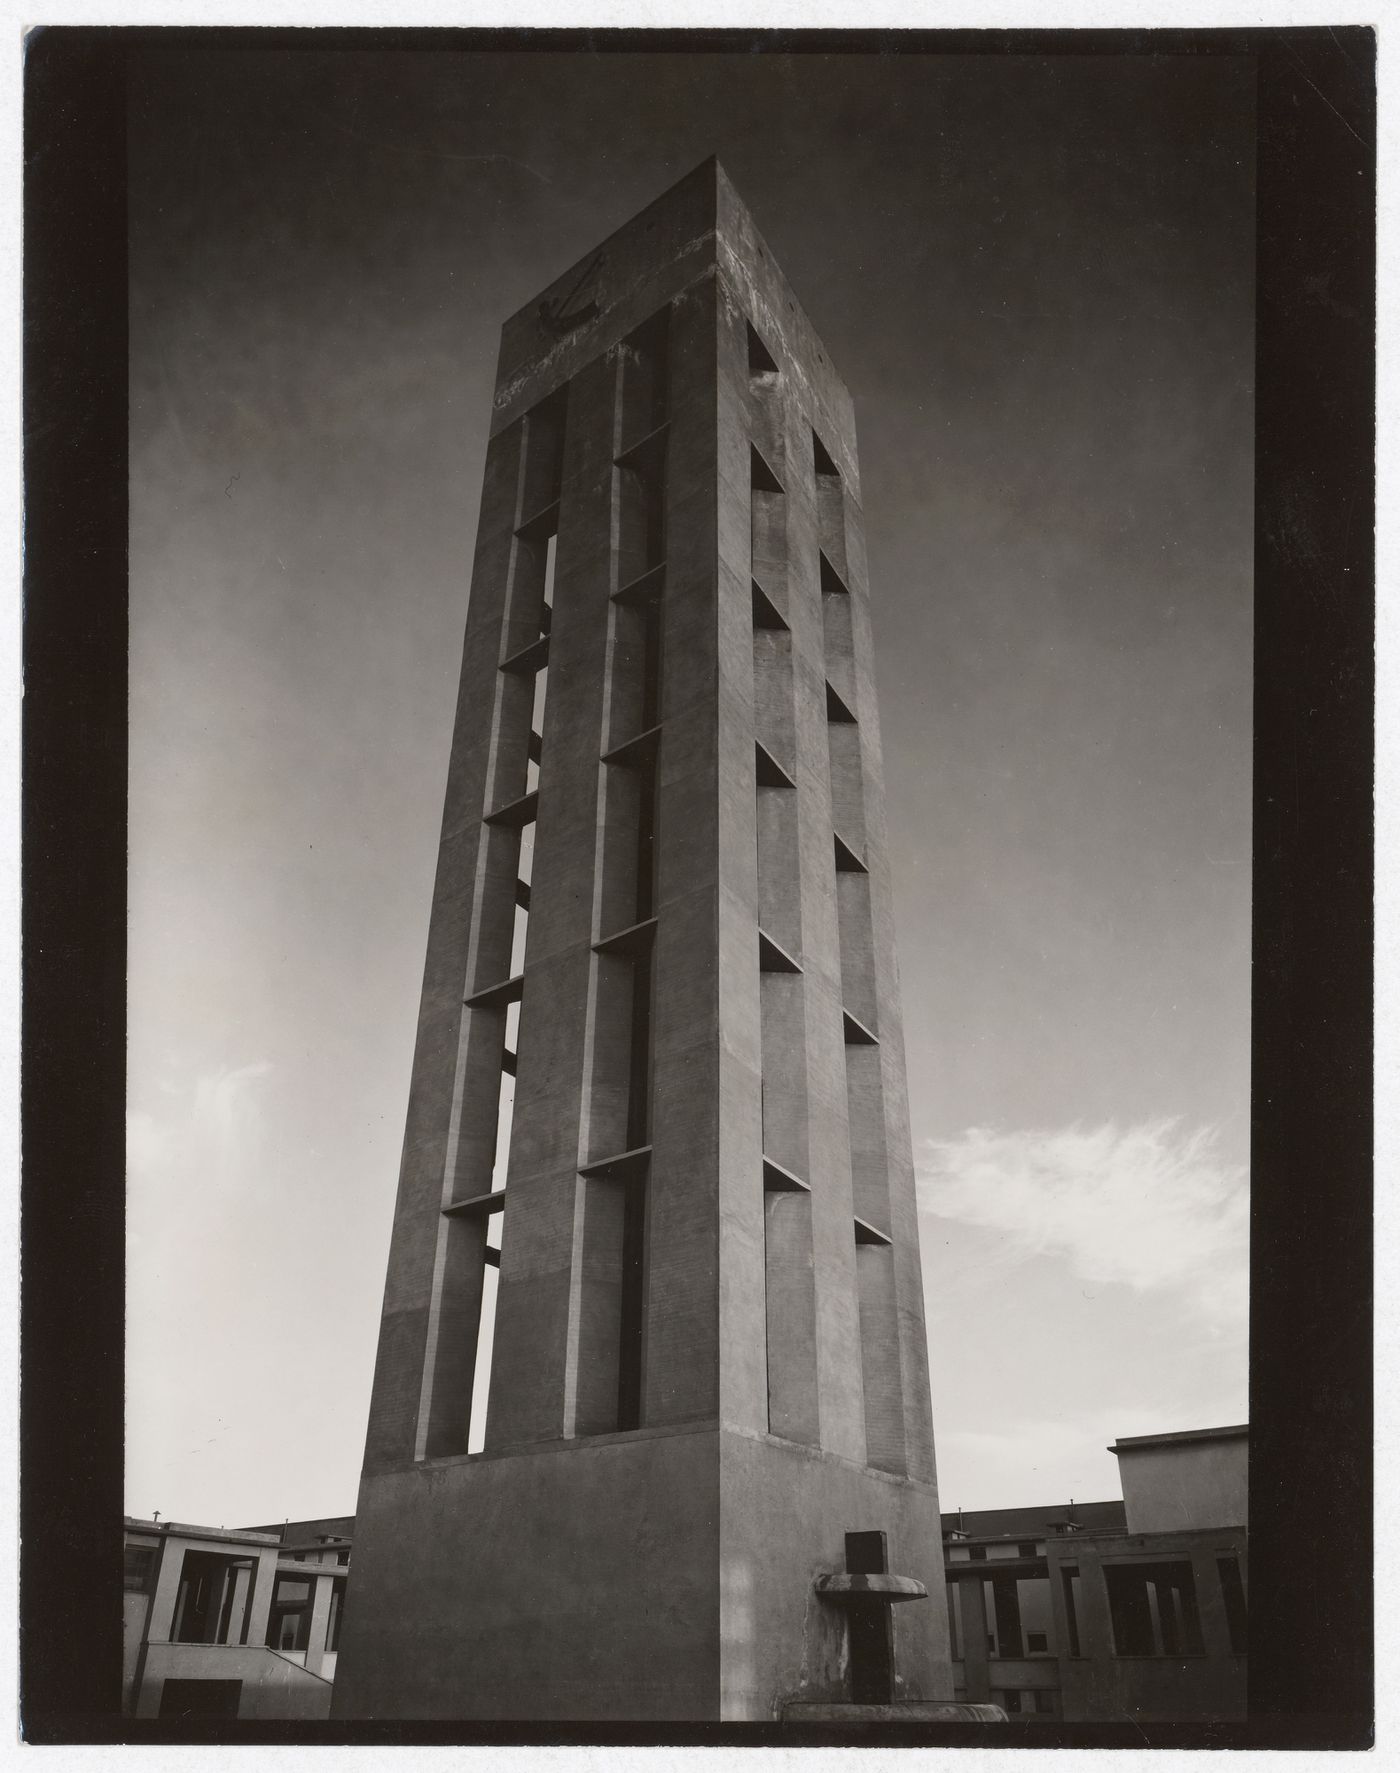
(1153, 1207)
(212, 1129)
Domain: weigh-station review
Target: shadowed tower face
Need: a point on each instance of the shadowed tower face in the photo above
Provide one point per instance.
(662, 919)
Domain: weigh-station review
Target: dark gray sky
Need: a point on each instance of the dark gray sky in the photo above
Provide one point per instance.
(1036, 278)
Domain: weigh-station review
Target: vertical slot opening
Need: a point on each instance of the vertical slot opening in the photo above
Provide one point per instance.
(865, 1112)
(641, 512)
(767, 529)
(544, 455)
(879, 1349)
(517, 944)
(646, 378)
(855, 937)
(1070, 1578)
(551, 547)
(762, 368)
(485, 1336)
(831, 508)
(847, 783)
(1236, 1609)
(789, 1309)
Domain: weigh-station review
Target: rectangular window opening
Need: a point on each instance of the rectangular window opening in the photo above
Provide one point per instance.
(1236, 1608)
(551, 554)
(504, 1117)
(1070, 1578)
(289, 1620)
(761, 476)
(761, 364)
(212, 1599)
(1153, 1609)
(336, 1612)
(138, 1568)
(517, 942)
(485, 1342)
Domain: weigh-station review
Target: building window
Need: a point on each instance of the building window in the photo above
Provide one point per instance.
(1153, 1609)
(1070, 1578)
(1027, 1549)
(336, 1613)
(1011, 1701)
(1037, 1643)
(1236, 1610)
(212, 1599)
(1019, 1608)
(138, 1566)
(978, 1553)
(289, 1620)
(342, 1557)
(1045, 1702)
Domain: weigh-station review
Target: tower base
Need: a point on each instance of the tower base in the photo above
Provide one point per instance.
(660, 1574)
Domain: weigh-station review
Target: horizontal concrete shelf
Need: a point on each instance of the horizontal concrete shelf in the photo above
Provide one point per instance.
(870, 1234)
(621, 1166)
(766, 613)
(777, 1180)
(477, 1206)
(515, 815)
(836, 710)
(844, 1587)
(529, 659)
(636, 939)
(773, 959)
(847, 861)
(542, 524)
(496, 997)
(768, 772)
(645, 450)
(857, 1034)
(638, 750)
(645, 588)
(832, 582)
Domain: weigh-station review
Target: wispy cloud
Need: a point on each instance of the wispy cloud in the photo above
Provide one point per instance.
(1153, 1207)
(213, 1128)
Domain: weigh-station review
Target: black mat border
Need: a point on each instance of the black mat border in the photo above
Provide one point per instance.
(1310, 1538)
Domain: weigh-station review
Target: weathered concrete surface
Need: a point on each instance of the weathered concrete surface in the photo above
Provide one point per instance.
(1174, 1482)
(784, 1514)
(572, 1581)
(273, 1687)
(781, 1371)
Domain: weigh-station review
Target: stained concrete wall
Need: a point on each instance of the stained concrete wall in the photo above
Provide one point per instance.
(1173, 1485)
(585, 1576)
(784, 1513)
(573, 1581)
(272, 1686)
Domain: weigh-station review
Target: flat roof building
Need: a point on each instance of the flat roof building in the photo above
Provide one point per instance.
(1105, 1611)
(232, 1623)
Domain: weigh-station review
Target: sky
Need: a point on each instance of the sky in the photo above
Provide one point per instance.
(1035, 276)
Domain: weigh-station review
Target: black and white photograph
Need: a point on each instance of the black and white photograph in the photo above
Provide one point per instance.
(710, 912)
